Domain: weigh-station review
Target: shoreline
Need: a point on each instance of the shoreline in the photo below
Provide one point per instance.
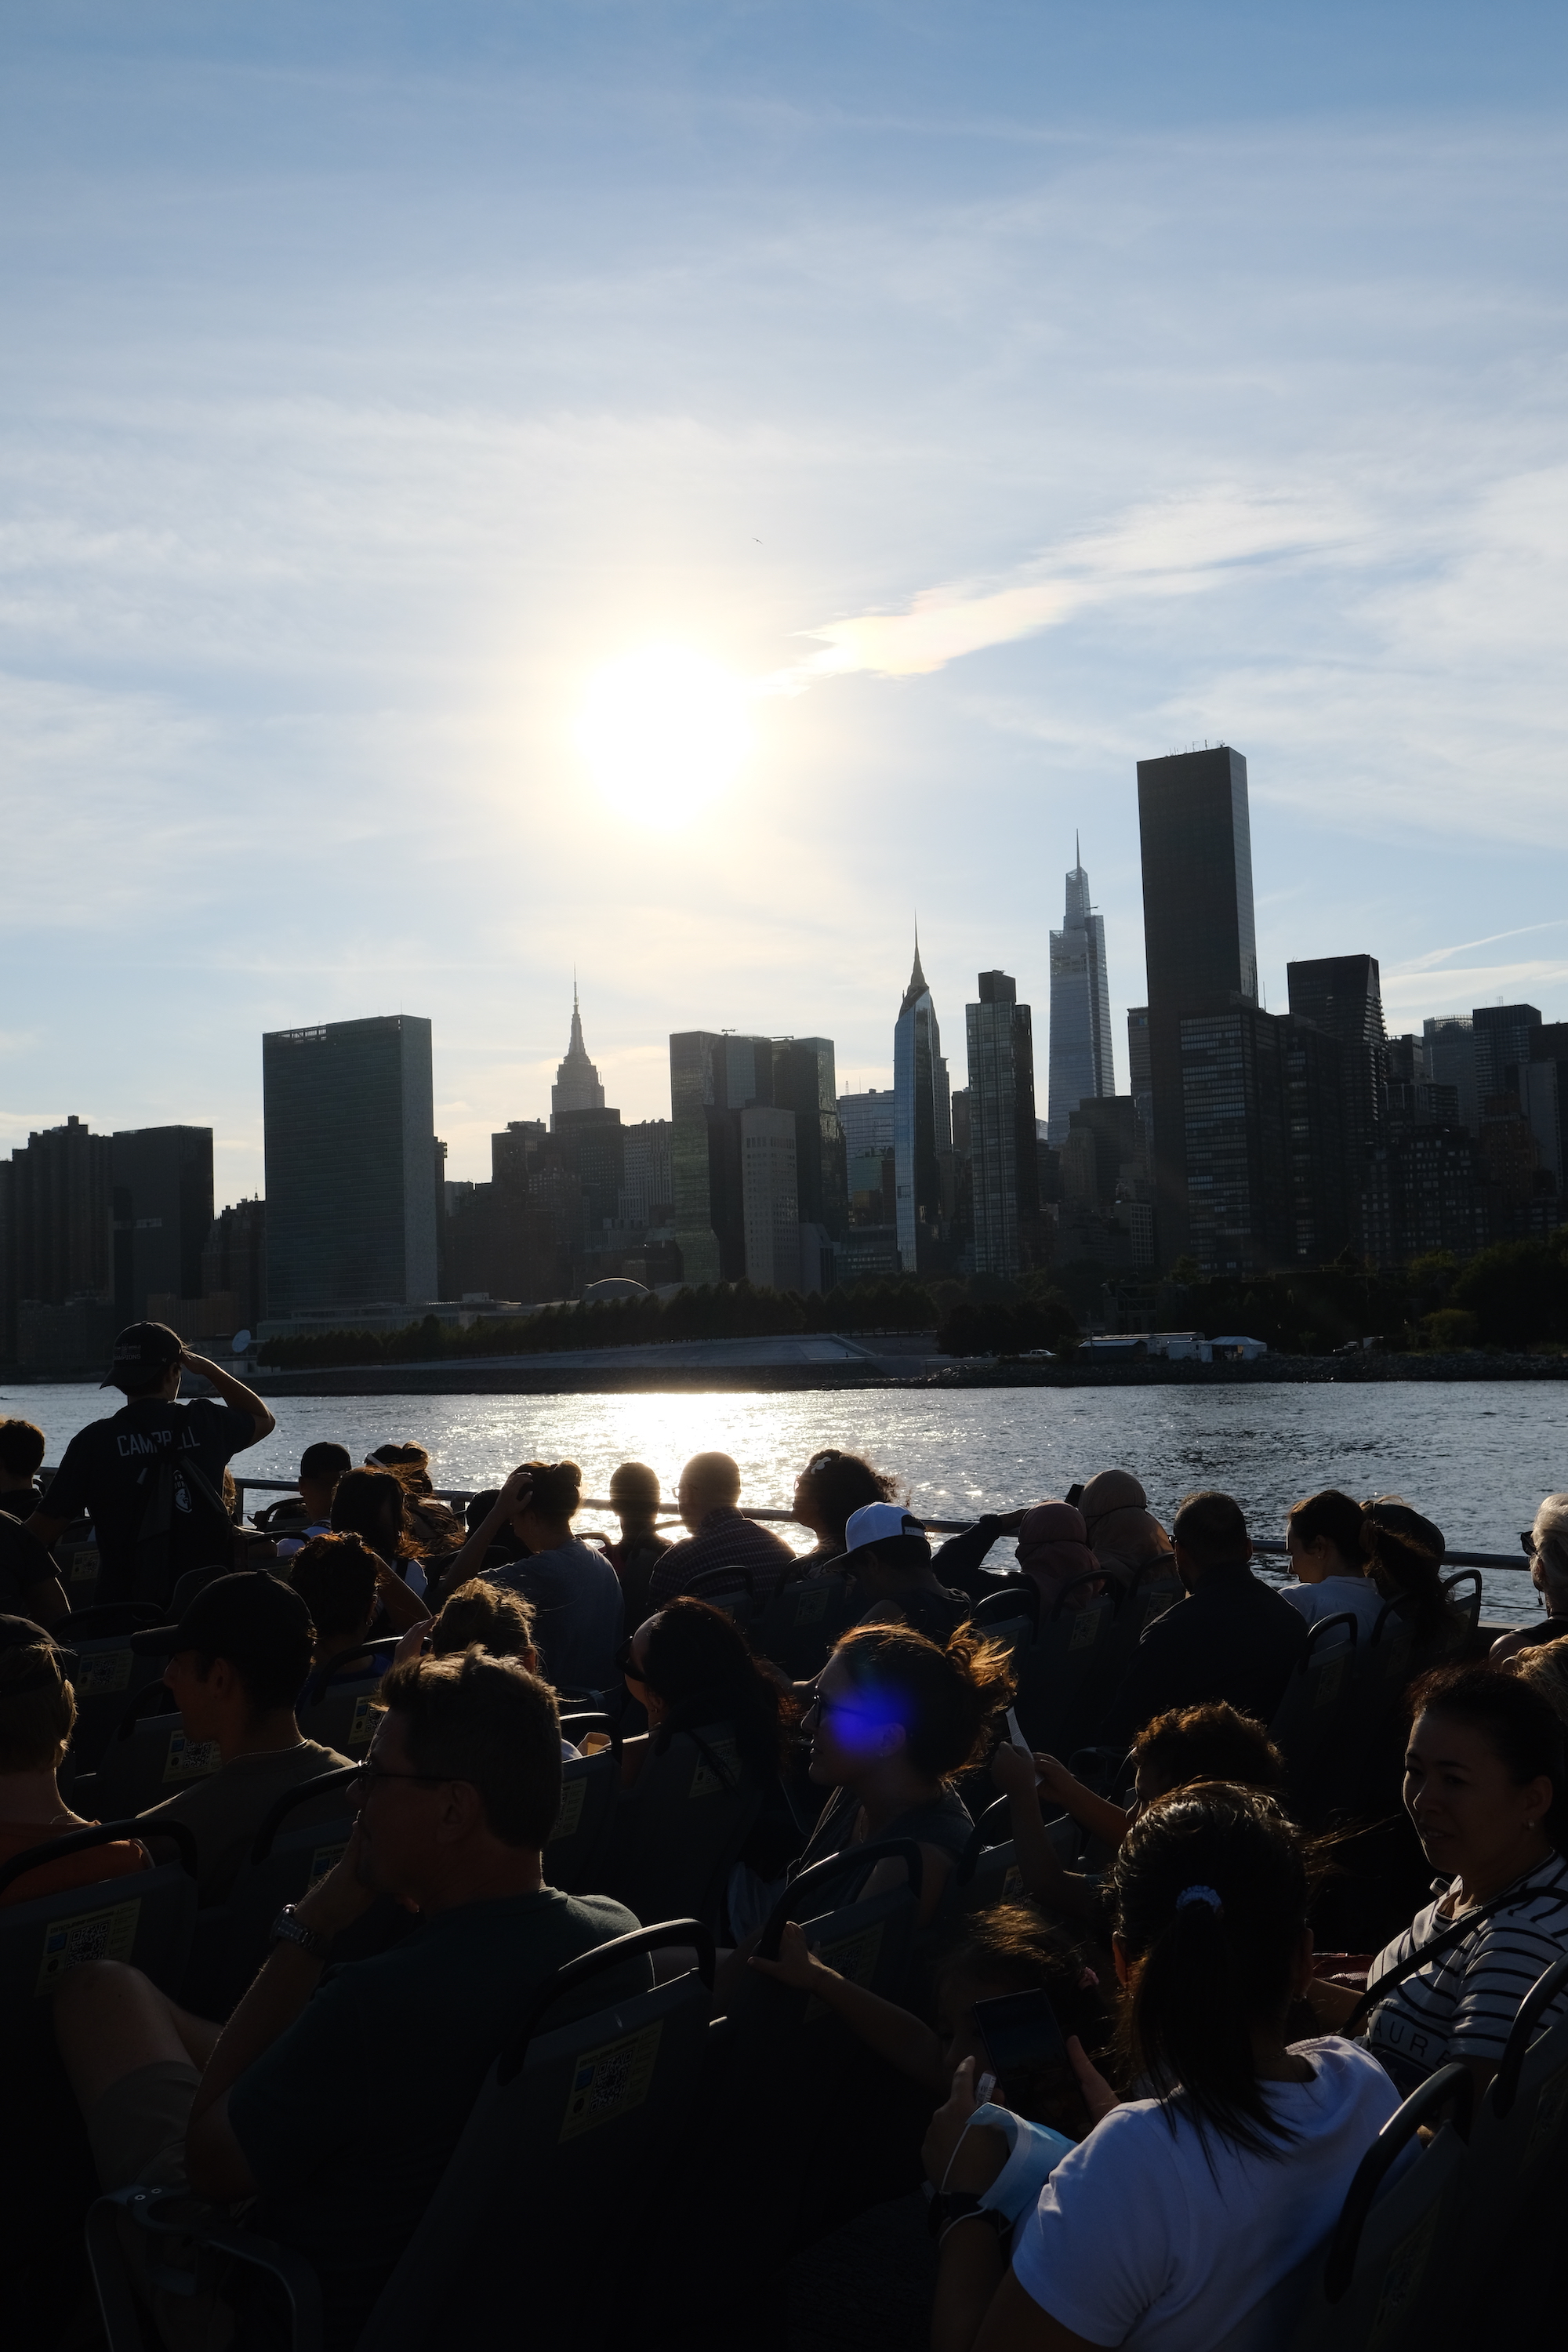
(542, 1376)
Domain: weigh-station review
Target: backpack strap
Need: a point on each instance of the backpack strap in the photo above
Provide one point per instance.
(1469, 1923)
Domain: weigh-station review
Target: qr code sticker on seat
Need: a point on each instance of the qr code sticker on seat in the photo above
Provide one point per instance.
(107, 1935)
(365, 1717)
(191, 1759)
(610, 2081)
(101, 1671)
(573, 1796)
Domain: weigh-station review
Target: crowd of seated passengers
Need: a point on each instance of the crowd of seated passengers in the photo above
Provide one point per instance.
(1180, 2214)
(895, 1715)
(292, 2100)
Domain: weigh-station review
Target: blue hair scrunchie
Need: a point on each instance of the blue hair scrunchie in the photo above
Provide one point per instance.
(1199, 1895)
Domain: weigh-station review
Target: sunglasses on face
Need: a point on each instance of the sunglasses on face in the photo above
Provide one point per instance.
(625, 1662)
(1527, 1544)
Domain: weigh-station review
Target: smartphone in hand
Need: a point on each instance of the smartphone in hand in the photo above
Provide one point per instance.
(1018, 2030)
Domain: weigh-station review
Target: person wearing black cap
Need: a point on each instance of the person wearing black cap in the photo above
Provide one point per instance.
(236, 1660)
(151, 1477)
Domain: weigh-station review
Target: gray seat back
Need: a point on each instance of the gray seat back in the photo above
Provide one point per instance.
(301, 1839)
(106, 1673)
(1054, 1673)
(1519, 2148)
(343, 1716)
(1390, 2266)
(148, 1758)
(1310, 1720)
(525, 2237)
(145, 1918)
(589, 1785)
(801, 1623)
(674, 1835)
(987, 1871)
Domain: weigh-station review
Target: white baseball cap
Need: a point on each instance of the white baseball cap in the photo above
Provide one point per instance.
(879, 1523)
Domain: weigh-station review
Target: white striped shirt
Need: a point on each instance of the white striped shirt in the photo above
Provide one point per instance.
(1464, 2002)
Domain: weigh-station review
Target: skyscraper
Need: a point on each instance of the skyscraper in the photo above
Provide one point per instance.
(1081, 1063)
(1342, 996)
(770, 1204)
(577, 1085)
(1450, 1048)
(56, 1238)
(867, 1121)
(714, 1076)
(351, 1190)
(1506, 1037)
(922, 1124)
(806, 1084)
(1200, 944)
(1003, 1162)
(1140, 1077)
(162, 1186)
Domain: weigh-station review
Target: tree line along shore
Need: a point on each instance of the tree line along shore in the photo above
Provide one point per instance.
(1509, 1301)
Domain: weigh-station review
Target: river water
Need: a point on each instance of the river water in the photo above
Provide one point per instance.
(1475, 1455)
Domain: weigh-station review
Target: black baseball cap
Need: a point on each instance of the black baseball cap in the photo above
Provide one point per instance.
(143, 1347)
(250, 1618)
(21, 1634)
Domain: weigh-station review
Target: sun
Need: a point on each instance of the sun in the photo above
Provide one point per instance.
(663, 731)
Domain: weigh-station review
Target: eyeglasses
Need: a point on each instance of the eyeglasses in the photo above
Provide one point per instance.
(625, 1662)
(823, 1707)
(1527, 1543)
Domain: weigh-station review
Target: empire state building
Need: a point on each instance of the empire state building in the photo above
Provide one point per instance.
(578, 1085)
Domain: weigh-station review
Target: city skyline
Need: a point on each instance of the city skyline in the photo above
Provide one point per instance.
(377, 391)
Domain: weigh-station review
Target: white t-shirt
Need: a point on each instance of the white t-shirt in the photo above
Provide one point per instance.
(1136, 2240)
(1332, 1598)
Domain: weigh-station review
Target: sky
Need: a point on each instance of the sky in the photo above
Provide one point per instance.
(435, 440)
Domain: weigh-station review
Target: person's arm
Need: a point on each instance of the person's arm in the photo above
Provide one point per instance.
(404, 1608)
(233, 1392)
(890, 2031)
(957, 1564)
(1330, 2004)
(979, 2305)
(1097, 1815)
(471, 1559)
(1039, 1864)
(936, 1868)
(215, 2164)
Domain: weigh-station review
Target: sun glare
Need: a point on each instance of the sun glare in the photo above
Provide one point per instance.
(664, 731)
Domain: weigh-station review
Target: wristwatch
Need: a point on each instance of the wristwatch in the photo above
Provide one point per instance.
(290, 1928)
(951, 2205)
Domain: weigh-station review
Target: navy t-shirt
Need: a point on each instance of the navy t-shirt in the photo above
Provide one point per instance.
(111, 1471)
(348, 2120)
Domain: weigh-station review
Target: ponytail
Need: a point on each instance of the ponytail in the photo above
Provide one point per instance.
(1210, 1894)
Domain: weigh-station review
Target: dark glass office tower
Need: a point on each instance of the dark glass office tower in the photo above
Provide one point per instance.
(1342, 996)
(1199, 940)
(804, 1083)
(351, 1195)
(162, 1179)
(1004, 1158)
(713, 1076)
(1506, 1035)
